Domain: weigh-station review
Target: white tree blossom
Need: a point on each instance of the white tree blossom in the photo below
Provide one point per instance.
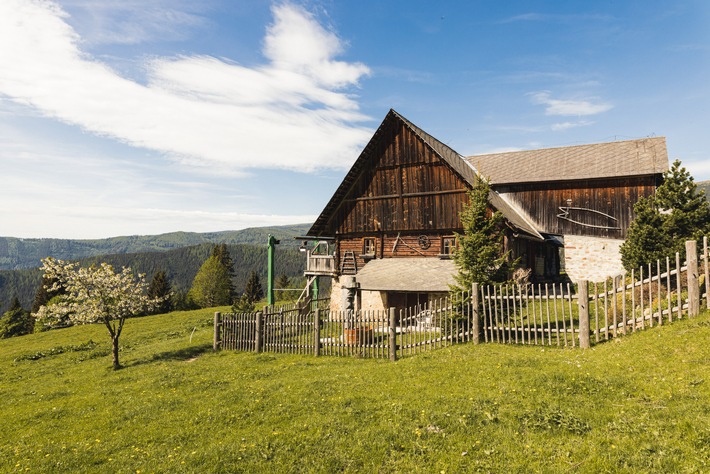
(96, 294)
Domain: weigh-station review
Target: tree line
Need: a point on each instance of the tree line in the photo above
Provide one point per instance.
(180, 267)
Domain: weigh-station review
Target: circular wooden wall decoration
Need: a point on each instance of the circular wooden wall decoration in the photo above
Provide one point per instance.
(424, 242)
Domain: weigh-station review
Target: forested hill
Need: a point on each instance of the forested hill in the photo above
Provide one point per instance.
(18, 253)
(180, 265)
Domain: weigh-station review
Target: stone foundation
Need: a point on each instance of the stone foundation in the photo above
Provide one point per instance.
(592, 258)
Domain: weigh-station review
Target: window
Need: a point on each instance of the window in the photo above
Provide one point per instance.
(448, 245)
(368, 246)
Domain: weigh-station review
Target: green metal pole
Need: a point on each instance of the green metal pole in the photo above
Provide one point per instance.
(314, 288)
(270, 270)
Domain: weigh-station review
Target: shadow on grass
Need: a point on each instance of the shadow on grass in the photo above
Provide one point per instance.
(185, 354)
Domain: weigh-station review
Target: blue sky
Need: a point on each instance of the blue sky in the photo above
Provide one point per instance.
(124, 117)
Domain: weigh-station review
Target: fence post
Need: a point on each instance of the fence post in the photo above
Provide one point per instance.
(583, 302)
(217, 326)
(476, 321)
(259, 331)
(393, 334)
(691, 252)
(316, 333)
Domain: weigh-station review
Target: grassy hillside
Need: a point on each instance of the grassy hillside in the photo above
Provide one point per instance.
(641, 404)
(26, 253)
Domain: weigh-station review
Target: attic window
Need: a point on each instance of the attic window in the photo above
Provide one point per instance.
(368, 246)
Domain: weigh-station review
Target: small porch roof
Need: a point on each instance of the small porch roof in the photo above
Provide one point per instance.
(418, 275)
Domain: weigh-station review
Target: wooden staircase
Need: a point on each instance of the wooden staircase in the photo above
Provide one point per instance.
(349, 264)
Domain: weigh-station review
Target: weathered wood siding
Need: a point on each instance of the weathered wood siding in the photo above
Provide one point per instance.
(615, 197)
(407, 246)
(406, 187)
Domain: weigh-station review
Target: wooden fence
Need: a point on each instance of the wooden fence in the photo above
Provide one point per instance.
(378, 334)
(562, 315)
(547, 315)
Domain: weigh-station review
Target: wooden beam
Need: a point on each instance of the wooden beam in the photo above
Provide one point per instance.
(394, 196)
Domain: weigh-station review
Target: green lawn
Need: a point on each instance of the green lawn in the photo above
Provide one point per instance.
(640, 404)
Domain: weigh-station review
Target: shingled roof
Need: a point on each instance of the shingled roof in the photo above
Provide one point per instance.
(408, 274)
(455, 160)
(642, 157)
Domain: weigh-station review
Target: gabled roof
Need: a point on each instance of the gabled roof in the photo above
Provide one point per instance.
(455, 160)
(642, 157)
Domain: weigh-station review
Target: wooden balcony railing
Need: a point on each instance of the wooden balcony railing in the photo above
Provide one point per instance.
(320, 265)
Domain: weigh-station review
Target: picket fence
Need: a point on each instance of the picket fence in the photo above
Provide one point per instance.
(548, 315)
(378, 334)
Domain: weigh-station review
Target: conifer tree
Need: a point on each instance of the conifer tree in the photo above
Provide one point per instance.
(664, 221)
(479, 256)
(44, 294)
(16, 321)
(159, 289)
(253, 290)
(221, 252)
(283, 282)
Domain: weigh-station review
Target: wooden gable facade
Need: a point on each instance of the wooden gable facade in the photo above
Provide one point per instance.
(401, 198)
(404, 202)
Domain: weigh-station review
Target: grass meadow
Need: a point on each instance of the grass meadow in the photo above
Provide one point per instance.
(637, 404)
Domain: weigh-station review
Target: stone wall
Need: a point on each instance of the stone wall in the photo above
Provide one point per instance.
(592, 258)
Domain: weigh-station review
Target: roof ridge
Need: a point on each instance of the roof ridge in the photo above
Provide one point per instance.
(561, 147)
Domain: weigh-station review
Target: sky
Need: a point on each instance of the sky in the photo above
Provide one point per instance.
(140, 117)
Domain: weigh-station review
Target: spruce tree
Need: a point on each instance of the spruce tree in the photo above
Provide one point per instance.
(159, 289)
(43, 295)
(282, 282)
(253, 290)
(221, 252)
(479, 256)
(16, 321)
(664, 221)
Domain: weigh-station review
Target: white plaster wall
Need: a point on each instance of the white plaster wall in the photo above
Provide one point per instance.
(336, 295)
(592, 258)
(373, 300)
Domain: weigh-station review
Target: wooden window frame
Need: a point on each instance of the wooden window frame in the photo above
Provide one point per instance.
(365, 247)
(451, 248)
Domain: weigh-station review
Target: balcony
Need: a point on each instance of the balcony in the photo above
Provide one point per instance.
(320, 261)
(320, 265)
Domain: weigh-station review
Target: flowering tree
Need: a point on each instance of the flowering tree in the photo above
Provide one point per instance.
(95, 295)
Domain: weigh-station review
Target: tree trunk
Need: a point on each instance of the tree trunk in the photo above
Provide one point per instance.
(116, 364)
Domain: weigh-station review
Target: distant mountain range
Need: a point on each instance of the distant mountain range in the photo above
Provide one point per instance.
(16, 253)
(179, 254)
(705, 186)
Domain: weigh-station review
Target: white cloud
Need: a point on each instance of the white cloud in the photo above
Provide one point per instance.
(293, 112)
(134, 21)
(579, 107)
(698, 167)
(558, 127)
(110, 197)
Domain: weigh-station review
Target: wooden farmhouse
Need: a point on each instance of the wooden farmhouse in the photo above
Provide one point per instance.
(389, 230)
